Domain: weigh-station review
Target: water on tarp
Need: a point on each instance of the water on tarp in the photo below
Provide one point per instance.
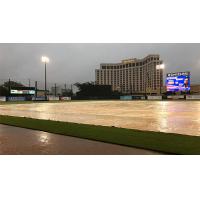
(181, 117)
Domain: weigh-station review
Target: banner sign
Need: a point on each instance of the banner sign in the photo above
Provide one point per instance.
(176, 97)
(138, 97)
(154, 97)
(125, 97)
(38, 98)
(192, 97)
(32, 92)
(16, 98)
(65, 98)
(2, 98)
(54, 98)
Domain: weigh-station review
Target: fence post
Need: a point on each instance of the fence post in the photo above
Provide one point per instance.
(55, 90)
(35, 89)
(9, 86)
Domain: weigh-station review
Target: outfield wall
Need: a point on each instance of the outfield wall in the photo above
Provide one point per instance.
(193, 97)
(53, 98)
(126, 97)
(154, 97)
(65, 98)
(176, 97)
(2, 98)
(16, 99)
(132, 97)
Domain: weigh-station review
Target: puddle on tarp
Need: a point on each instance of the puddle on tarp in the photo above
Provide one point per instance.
(181, 117)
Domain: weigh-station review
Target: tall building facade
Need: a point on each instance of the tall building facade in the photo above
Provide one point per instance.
(132, 75)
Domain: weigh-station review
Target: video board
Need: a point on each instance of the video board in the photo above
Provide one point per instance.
(177, 82)
(23, 90)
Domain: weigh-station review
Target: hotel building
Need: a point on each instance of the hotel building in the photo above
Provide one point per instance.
(132, 76)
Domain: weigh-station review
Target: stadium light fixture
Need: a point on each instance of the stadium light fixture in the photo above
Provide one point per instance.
(45, 59)
(161, 66)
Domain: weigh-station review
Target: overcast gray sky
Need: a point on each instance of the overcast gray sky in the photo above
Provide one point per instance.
(77, 62)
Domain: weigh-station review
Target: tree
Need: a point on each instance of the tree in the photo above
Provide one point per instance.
(4, 89)
(12, 84)
(67, 93)
(90, 89)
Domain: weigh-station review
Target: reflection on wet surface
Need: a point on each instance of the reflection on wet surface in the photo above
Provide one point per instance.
(15, 140)
(167, 116)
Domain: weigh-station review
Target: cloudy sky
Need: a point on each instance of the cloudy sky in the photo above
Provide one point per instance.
(72, 63)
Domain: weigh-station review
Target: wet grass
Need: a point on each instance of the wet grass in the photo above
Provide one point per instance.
(163, 142)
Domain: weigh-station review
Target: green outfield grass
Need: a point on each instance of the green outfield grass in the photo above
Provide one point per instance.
(163, 142)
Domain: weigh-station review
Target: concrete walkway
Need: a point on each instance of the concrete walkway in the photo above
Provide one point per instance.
(14, 140)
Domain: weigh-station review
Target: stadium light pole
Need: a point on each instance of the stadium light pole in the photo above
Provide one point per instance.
(45, 60)
(146, 82)
(160, 67)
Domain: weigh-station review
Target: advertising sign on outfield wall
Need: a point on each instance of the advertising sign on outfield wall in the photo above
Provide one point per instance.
(2, 98)
(138, 97)
(132, 97)
(176, 97)
(65, 98)
(53, 98)
(125, 97)
(154, 97)
(38, 98)
(192, 97)
(16, 99)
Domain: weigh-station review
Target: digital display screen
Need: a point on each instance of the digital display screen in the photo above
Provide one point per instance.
(176, 82)
(22, 91)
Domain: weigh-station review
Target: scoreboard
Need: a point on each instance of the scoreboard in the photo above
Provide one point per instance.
(179, 81)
